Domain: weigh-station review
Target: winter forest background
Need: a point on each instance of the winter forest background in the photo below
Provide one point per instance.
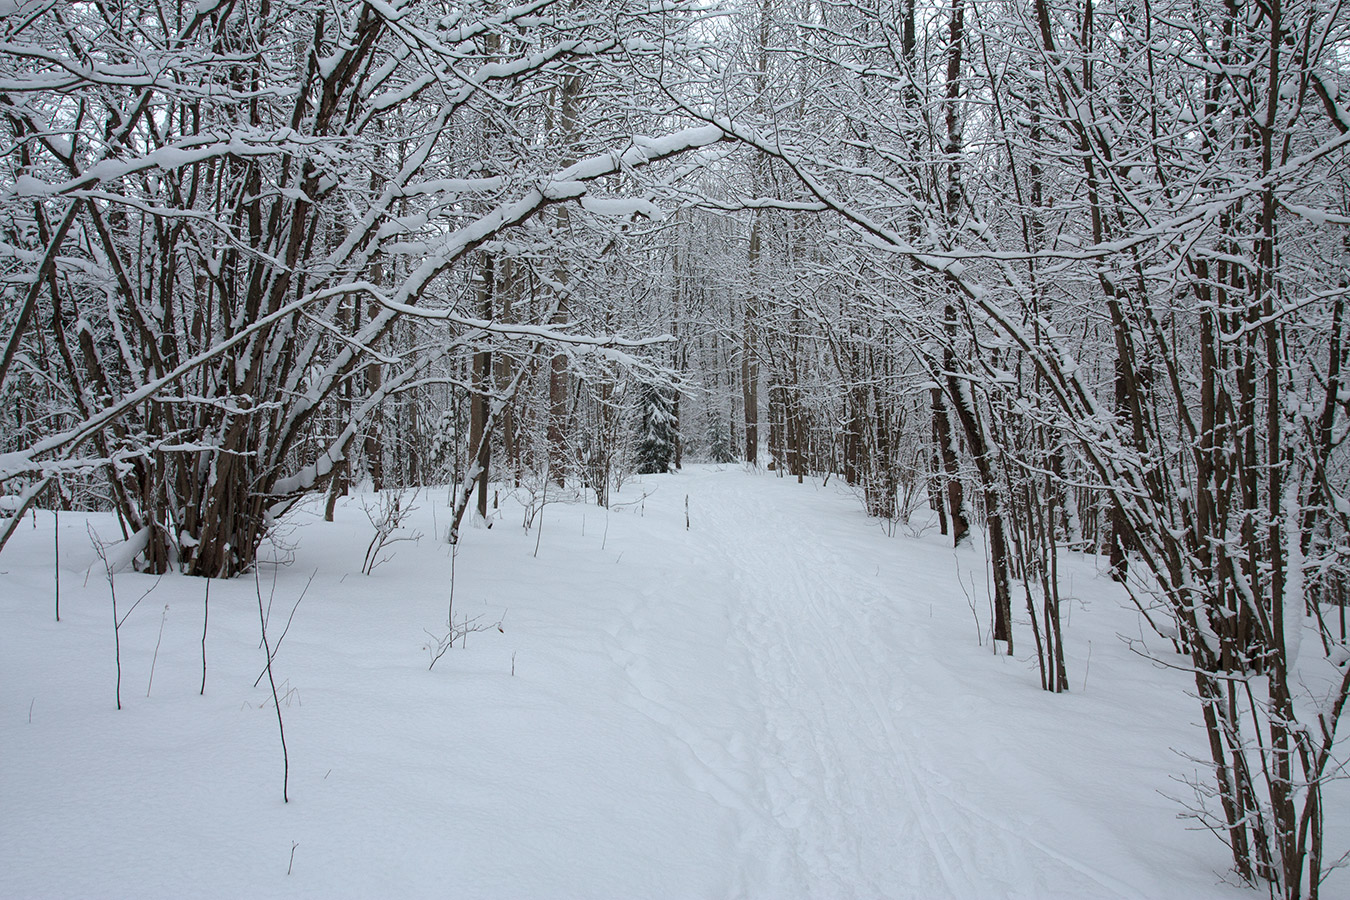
(1071, 275)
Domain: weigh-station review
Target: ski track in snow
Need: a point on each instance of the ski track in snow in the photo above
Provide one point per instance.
(834, 724)
(829, 715)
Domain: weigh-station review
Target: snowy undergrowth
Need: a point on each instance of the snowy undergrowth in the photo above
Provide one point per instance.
(780, 701)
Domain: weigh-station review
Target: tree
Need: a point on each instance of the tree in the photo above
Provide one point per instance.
(655, 451)
(222, 254)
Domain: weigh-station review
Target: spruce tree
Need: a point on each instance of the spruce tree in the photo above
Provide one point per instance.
(656, 437)
(719, 440)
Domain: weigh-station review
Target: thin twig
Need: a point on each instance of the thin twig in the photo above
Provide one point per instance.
(56, 565)
(206, 616)
(1087, 667)
(276, 649)
(276, 702)
(539, 535)
(155, 658)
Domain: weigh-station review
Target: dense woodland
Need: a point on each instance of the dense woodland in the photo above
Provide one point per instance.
(1072, 273)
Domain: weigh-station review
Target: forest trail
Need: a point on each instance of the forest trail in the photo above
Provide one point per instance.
(776, 702)
(844, 770)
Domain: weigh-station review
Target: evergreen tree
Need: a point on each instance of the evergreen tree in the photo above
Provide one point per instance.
(719, 440)
(657, 436)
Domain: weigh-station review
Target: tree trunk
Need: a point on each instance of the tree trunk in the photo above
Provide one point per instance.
(482, 389)
(749, 349)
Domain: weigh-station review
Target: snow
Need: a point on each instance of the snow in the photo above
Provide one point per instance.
(778, 702)
(119, 555)
(622, 207)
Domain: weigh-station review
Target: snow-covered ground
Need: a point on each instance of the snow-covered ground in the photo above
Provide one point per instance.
(779, 701)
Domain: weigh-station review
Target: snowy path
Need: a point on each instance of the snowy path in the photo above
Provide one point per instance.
(841, 797)
(845, 815)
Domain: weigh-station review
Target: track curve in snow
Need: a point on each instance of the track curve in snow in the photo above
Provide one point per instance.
(842, 770)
